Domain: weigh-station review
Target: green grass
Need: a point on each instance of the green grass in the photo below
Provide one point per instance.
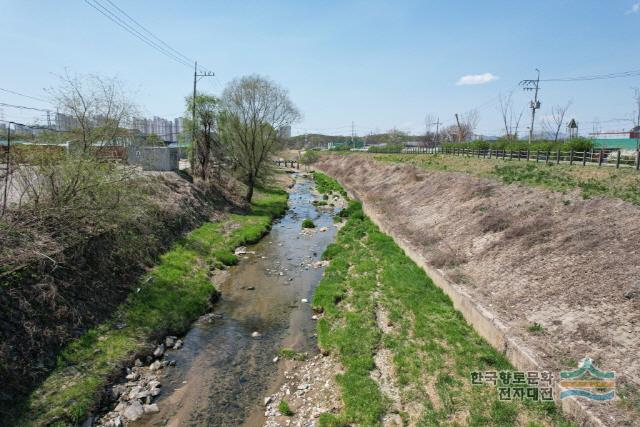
(327, 185)
(307, 223)
(169, 299)
(430, 341)
(287, 353)
(535, 327)
(283, 408)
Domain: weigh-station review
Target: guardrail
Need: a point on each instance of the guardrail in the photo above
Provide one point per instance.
(600, 157)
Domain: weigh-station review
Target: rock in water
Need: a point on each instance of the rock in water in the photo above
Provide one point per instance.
(169, 341)
(134, 411)
(155, 365)
(255, 334)
(159, 351)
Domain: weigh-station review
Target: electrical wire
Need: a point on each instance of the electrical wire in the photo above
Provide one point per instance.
(623, 74)
(23, 95)
(118, 21)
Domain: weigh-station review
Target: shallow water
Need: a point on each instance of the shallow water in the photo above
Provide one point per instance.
(222, 373)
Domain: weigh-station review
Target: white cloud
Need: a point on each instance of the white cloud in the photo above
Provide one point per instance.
(635, 8)
(476, 79)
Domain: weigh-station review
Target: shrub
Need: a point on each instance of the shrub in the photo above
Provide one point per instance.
(307, 223)
(284, 409)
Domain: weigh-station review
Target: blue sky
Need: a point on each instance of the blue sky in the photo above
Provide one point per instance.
(378, 64)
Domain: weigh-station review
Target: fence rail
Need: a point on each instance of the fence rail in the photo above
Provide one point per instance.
(600, 157)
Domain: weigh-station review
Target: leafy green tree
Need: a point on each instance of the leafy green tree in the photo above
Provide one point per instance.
(254, 108)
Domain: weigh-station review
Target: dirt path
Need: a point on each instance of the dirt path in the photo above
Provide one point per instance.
(557, 270)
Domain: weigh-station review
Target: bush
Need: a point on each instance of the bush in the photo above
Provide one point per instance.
(307, 223)
(284, 409)
(309, 157)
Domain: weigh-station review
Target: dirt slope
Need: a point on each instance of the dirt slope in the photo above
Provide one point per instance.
(48, 300)
(527, 255)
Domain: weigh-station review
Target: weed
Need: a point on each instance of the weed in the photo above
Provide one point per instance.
(284, 409)
(287, 353)
(535, 327)
(307, 223)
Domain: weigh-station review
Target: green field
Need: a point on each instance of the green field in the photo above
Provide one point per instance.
(431, 348)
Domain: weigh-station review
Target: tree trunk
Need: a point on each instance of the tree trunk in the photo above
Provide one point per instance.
(250, 185)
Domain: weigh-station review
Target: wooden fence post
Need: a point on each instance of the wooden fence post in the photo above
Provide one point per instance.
(637, 159)
(528, 154)
(618, 160)
(537, 155)
(584, 157)
(601, 156)
(571, 157)
(558, 157)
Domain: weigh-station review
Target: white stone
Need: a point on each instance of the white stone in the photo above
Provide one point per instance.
(134, 411)
(151, 409)
(159, 351)
(304, 300)
(255, 334)
(156, 365)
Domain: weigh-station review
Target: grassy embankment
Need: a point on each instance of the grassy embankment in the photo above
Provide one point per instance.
(168, 300)
(433, 350)
(590, 180)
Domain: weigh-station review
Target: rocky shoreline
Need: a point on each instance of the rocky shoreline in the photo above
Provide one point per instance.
(133, 398)
(309, 390)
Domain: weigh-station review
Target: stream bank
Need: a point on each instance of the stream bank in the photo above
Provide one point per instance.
(166, 301)
(232, 359)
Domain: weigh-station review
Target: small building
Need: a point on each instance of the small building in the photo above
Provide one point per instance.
(154, 158)
(635, 133)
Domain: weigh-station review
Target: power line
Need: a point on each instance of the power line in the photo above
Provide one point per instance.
(623, 74)
(23, 95)
(178, 53)
(22, 107)
(108, 13)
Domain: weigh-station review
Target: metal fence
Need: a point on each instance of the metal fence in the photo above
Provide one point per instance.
(600, 157)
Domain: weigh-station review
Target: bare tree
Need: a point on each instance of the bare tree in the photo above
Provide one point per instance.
(554, 123)
(466, 125)
(207, 147)
(98, 107)
(510, 118)
(430, 135)
(254, 108)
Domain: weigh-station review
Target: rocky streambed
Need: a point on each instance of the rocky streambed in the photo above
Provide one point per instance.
(221, 372)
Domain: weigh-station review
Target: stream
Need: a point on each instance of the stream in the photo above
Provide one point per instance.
(223, 373)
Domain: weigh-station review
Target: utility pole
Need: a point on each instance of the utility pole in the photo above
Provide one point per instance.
(352, 134)
(532, 85)
(459, 128)
(196, 78)
(437, 138)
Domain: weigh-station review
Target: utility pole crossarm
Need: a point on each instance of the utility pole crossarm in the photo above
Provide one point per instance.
(529, 85)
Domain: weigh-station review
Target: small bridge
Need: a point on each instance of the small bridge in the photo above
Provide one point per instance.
(293, 164)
